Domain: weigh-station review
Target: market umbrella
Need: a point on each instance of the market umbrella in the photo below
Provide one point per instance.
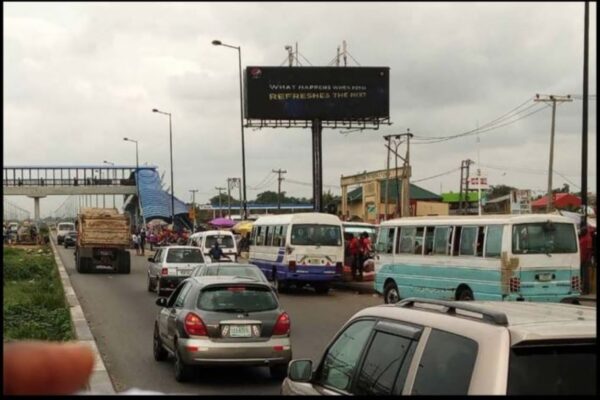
(222, 222)
(243, 227)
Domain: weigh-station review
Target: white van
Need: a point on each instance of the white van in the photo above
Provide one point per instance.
(206, 240)
(62, 229)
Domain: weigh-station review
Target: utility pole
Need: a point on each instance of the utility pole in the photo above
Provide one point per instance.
(403, 199)
(194, 207)
(387, 177)
(552, 99)
(220, 209)
(584, 121)
(463, 201)
(279, 179)
(229, 196)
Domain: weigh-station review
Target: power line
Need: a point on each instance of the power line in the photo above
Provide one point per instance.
(436, 176)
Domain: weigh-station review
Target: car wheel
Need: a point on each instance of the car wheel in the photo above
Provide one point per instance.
(465, 295)
(160, 354)
(278, 371)
(150, 287)
(183, 372)
(391, 295)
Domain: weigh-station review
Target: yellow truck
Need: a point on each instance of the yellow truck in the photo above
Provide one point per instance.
(103, 237)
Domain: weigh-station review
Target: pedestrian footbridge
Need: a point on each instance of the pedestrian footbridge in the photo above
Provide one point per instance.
(144, 195)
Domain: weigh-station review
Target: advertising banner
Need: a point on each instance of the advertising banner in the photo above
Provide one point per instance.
(306, 93)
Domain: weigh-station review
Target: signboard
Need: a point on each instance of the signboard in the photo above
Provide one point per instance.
(477, 182)
(520, 202)
(326, 93)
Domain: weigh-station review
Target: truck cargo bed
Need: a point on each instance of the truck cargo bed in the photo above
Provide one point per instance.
(103, 228)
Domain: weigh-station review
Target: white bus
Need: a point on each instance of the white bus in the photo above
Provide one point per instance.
(305, 248)
(532, 257)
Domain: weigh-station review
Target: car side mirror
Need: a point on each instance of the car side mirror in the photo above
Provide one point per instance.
(161, 301)
(151, 259)
(300, 370)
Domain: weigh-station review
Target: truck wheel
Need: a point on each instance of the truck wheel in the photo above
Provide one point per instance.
(84, 265)
(124, 261)
(77, 263)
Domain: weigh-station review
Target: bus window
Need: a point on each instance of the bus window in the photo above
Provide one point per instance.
(456, 243)
(407, 240)
(480, 240)
(429, 240)
(260, 236)
(419, 240)
(493, 241)
(441, 237)
(385, 240)
(269, 235)
(468, 237)
(544, 238)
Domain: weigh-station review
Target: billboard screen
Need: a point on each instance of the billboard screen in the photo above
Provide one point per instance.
(327, 93)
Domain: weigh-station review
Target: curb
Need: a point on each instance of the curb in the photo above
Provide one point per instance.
(99, 382)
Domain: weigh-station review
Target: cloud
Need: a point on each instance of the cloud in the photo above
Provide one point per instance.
(80, 76)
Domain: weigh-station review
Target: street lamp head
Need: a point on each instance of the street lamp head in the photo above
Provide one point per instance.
(154, 110)
(216, 42)
(125, 139)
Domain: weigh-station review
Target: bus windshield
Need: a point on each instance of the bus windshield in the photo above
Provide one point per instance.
(316, 235)
(543, 238)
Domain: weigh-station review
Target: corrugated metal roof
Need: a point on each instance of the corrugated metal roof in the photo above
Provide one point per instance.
(416, 192)
(156, 203)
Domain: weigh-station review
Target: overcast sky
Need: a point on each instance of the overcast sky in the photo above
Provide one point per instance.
(78, 77)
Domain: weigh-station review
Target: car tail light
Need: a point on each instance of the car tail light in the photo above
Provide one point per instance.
(515, 284)
(164, 271)
(194, 326)
(339, 268)
(575, 283)
(292, 266)
(282, 326)
(236, 289)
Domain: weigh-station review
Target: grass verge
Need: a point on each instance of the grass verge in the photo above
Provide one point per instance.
(34, 303)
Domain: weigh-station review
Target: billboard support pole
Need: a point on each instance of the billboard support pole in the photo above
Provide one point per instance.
(317, 129)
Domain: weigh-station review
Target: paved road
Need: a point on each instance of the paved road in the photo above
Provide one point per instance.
(121, 313)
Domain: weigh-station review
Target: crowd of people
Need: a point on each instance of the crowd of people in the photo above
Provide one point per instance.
(358, 250)
(157, 236)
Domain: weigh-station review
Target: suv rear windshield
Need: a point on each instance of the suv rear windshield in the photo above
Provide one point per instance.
(226, 241)
(557, 369)
(237, 298)
(184, 256)
(249, 272)
(543, 238)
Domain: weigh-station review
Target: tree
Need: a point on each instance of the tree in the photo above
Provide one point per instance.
(499, 190)
(268, 197)
(224, 200)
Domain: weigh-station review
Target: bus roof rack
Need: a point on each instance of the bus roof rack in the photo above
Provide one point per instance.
(494, 317)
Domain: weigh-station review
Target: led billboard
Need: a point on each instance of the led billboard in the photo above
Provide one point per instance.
(326, 93)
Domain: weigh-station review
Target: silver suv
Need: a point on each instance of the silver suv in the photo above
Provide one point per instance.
(431, 347)
(171, 265)
(222, 320)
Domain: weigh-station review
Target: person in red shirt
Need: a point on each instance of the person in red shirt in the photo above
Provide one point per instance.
(354, 250)
(585, 250)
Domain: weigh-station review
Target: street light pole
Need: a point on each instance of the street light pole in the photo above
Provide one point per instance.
(239, 49)
(137, 166)
(171, 151)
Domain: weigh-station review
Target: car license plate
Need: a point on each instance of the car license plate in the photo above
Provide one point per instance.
(240, 331)
(314, 261)
(184, 271)
(545, 277)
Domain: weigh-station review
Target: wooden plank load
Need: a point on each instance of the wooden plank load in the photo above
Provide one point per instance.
(103, 227)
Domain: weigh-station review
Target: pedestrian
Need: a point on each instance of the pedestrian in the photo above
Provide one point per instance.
(152, 240)
(143, 240)
(136, 244)
(215, 252)
(365, 253)
(354, 253)
(585, 246)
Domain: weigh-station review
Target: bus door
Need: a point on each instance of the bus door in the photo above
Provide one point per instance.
(385, 246)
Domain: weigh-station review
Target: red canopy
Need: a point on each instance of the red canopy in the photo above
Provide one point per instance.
(559, 200)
